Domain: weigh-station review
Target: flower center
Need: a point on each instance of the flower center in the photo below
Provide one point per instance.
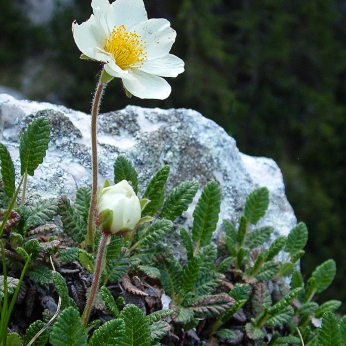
(126, 47)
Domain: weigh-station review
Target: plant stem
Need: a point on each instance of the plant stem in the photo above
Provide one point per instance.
(89, 238)
(25, 175)
(97, 274)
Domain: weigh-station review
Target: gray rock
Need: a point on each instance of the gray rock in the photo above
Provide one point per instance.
(195, 148)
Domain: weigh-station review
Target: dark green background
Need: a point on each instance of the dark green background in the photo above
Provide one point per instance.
(271, 72)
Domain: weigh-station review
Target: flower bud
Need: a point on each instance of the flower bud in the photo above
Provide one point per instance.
(122, 201)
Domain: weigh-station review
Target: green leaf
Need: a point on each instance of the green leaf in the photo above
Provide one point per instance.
(237, 306)
(296, 239)
(207, 255)
(329, 333)
(180, 314)
(73, 224)
(206, 214)
(7, 171)
(170, 270)
(22, 253)
(109, 301)
(259, 236)
(4, 200)
(155, 191)
(253, 332)
(330, 306)
(296, 280)
(297, 256)
(82, 202)
(256, 205)
(276, 246)
(242, 230)
(283, 303)
(109, 334)
(308, 309)
(41, 274)
(268, 271)
(87, 260)
(261, 296)
(68, 330)
(226, 334)
(190, 274)
(117, 268)
(137, 330)
(124, 170)
(178, 200)
(288, 340)
(230, 230)
(230, 243)
(61, 287)
(320, 279)
(158, 330)
(40, 213)
(154, 233)
(240, 291)
(11, 284)
(212, 305)
(342, 327)
(225, 264)
(33, 145)
(152, 272)
(280, 318)
(114, 247)
(33, 329)
(285, 270)
(187, 242)
(13, 339)
(69, 254)
(32, 247)
(158, 315)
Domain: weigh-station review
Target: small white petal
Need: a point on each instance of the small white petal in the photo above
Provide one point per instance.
(89, 36)
(114, 70)
(126, 12)
(166, 66)
(159, 37)
(146, 86)
(102, 4)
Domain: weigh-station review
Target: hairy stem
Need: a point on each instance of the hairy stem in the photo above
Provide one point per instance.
(97, 274)
(89, 238)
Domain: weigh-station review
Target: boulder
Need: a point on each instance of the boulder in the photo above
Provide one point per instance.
(196, 148)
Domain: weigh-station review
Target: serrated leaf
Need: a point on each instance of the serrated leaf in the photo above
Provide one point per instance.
(288, 340)
(109, 334)
(187, 242)
(282, 317)
(158, 330)
(296, 280)
(261, 296)
(285, 270)
(225, 264)
(253, 332)
(231, 245)
(237, 306)
(22, 253)
(274, 249)
(68, 330)
(109, 301)
(13, 339)
(329, 333)
(170, 270)
(308, 308)
(114, 247)
(158, 315)
(268, 271)
(320, 279)
(180, 314)
(283, 303)
(256, 205)
(82, 202)
(207, 255)
(212, 305)
(297, 256)
(124, 170)
(226, 334)
(154, 233)
(33, 145)
(7, 171)
(258, 236)
(242, 230)
(41, 274)
(190, 274)
(230, 230)
(206, 214)
(72, 222)
(342, 327)
(240, 291)
(155, 191)
(87, 260)
(296, 239)
(32, 247)
(11, 284)
(137, 330)
(152, 272)
(41, 212)
(61, 287)
(69, 254)
(178, 200)
(330, 306)
(117, 268)
(33, 329)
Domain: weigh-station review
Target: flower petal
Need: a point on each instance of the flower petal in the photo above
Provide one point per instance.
(89, 36)
(126, 12)
(114, 70)
(166, 66)
(102, 4)
(100, 8)
(159, 37)
(146, 86)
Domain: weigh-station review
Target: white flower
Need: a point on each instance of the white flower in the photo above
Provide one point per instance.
(132, 47)
(123, 202)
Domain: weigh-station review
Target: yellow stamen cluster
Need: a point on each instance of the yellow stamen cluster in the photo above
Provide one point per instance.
(126, 47)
